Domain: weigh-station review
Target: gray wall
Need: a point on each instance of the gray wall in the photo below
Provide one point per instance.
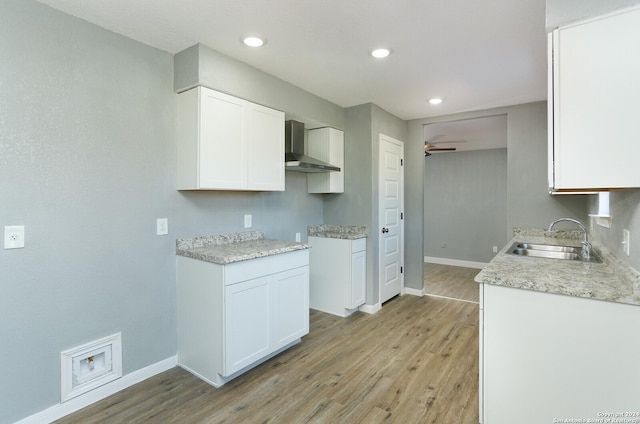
(358, 205)
(528, 201)
(199, 65)
(86, 142)
(465, 205)
(561, 12)
(625, 212)
(87, 164)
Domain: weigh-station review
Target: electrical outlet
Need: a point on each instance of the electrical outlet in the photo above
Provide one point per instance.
(162, 226)
(626, 241)
(443, 245)
(13, 236)
(298, 237)
(495, 249)
(247, 221)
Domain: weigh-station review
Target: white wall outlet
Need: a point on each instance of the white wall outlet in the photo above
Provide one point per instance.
(162, 226)
(626, 241)
(298, 237)
(247, 221)
(443, 245)
(14, 236)
(495, 249)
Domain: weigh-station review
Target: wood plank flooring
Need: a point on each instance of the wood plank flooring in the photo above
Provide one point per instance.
(414, 361)
(451, 281)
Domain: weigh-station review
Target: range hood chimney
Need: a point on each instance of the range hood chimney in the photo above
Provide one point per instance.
(294, 157)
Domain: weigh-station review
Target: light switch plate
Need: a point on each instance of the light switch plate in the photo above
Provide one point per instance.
(162, 226)
(247, 221)
(626, 237)
(14, 236)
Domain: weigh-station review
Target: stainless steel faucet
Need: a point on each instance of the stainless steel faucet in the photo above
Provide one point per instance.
(586, 246)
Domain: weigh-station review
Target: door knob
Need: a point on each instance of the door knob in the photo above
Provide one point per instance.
(385, 230)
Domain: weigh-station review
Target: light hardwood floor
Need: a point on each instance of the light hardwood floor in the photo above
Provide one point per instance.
(414, 361)
(451, 281)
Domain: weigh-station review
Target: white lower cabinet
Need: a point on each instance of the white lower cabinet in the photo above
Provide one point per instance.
(234, 317)
(291, 314)
(247, 323)
(338, 274)
(549, 358)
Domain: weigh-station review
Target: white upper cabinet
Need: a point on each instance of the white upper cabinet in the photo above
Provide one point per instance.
(327, 145)
(227, 143)
(594, 130)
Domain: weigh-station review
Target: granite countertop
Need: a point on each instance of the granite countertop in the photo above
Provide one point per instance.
(229, 248)
(345, 232)
(612, 280)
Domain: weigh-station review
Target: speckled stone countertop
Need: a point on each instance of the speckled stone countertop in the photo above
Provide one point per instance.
(345, 232)
(612, 280)
(228, 248)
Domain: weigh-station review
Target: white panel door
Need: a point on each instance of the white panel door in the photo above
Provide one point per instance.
(391, 206)
(247, 323)
(291, 305)
(222, 162)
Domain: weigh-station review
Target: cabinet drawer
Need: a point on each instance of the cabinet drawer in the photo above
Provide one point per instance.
(254, 268)
(358, 245)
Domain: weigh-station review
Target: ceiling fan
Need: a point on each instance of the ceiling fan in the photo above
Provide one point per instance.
(430, 145)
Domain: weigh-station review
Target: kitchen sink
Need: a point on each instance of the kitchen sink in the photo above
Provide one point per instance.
(572, 253)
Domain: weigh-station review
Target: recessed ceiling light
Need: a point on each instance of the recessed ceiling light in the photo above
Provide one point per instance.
(435, 101)
(254, 40)
(380, 53)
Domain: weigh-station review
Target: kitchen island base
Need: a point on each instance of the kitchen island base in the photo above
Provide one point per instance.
(549, 357)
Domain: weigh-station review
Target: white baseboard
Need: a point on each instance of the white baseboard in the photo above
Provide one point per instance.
(370, 309)
(414, 292)
(454, 262)
(62, 409)
(452, 298)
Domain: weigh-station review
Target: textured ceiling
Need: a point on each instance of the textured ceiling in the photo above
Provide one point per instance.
(476, 54)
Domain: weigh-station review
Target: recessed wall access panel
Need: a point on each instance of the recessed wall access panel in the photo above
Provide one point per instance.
(92, 365)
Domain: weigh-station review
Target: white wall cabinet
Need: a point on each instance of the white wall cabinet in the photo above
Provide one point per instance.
(326, 144)
(227, 143)
(234, 317)
(547, 357)
(593, 110)
(338, 274)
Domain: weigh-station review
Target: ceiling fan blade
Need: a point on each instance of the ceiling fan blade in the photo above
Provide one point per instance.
(450, 141)
(442, 149)
(434, 138)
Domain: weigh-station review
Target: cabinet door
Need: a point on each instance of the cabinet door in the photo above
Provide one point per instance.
(327, 145)
(291, 305)
(596, 67)
(549, 356)
(265, 148)
(247, 323)
(358, 278)
(222, 162)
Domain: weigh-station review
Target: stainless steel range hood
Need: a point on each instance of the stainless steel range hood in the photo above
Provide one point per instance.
(294, 157)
